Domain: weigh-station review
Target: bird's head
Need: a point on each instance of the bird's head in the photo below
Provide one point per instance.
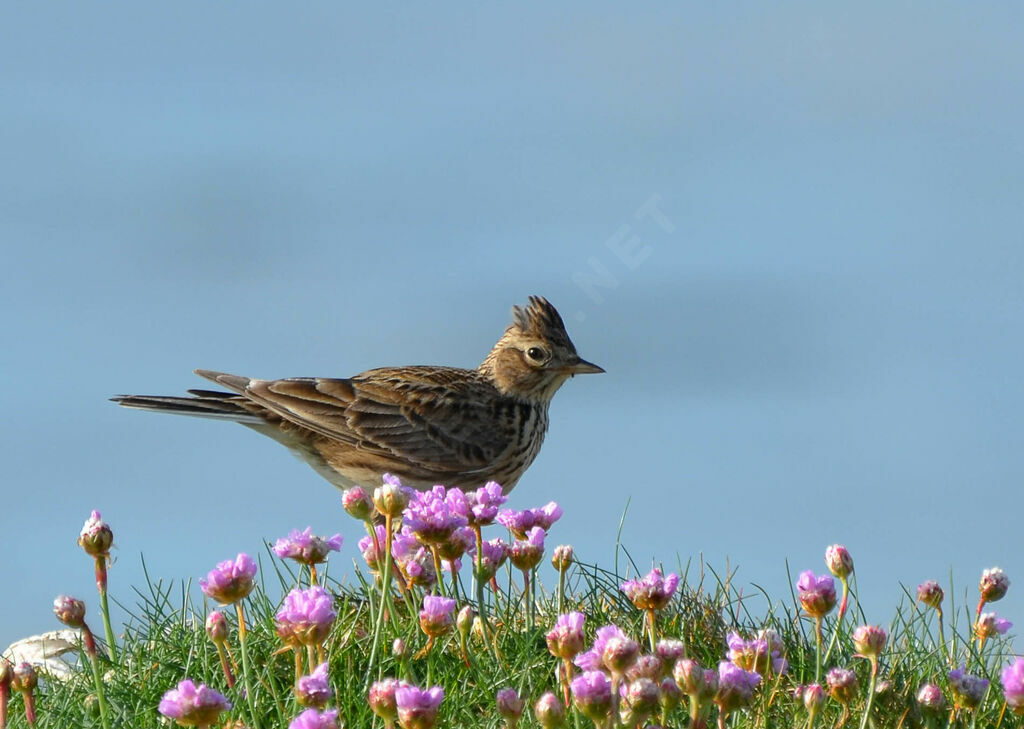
(535, 355)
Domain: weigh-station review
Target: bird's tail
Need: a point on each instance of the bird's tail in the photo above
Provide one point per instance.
(202, 404)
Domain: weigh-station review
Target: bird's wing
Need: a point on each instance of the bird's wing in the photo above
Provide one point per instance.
(441, 418)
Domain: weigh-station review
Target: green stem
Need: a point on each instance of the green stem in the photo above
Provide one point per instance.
(871, 693)
(439, 582)
(246, 677)
(561, 589)
(478, 580)
(101, 585)
(818, 641)
(385, 594)
(839, 620)
(94, 659)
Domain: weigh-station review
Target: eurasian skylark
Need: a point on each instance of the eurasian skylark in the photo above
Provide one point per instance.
(426, 425)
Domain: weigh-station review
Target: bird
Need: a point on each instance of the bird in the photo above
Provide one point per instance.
(427, 425)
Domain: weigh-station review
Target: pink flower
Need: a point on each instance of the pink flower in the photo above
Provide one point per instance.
(842, 684)
(592, 659)
(69, 611)
(565, 639)
(357, 503)
(930, 594)
(369, 548)
(418, 708)
(229, 581)
(869, 640)
(391, 498)
(993, 585)
(735, 686)
(521, 522)
(760, 655)
(1012, 677)
(306, 548)
(549, 711)
(930, 697)
(192, 705)
(480, 507)
(306, 616)
(817, 594)
(431, 518)
(314, 690)
(990, 625)
(968, 690)
(382, 699)
(495, 552)
(592, 693)
(652, 592)
(527, 553)
(217, 626)
(510, 706)
(313, 719)
(437, 616)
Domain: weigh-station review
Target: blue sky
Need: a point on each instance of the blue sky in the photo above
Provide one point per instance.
(819, 340)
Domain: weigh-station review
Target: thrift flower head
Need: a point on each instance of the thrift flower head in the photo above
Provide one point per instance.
(930, 594)
(192, 705)
(527, 553)
(968, 690)
(562, 556)
(651, 592)
(869, 640)
(431, 518)
(521, 522)
(305, 616)
(382, 699)
(306, 548)
(217, 626)
(457, 544)
(565, 639)
(592, 693)
(314, 690)
(842, 684)
(417, 708)
(96, 536)
(495, 552)
(549, 712)
(645, 666)
(735, 686)
(369, 548)
(69, 611)
(313, 719)
(1012, 677)
(229, 581)
(479, 507)
(619, 654)
(671, 695)
(357, 503)
(670, 650)
(689, 675)
(438, 615)
(510, 706)
(813, 697)
(641, 700)
(24, 677)
(993, 585)
(592, 659)
(391, 498)
(839, 561)
(760, 655)
(817, 594)
(930, 698)
(990, 625)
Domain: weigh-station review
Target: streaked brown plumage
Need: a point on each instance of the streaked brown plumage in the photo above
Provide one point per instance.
(424, 424)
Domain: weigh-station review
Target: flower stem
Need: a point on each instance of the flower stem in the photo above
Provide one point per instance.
(439, 582)
(651, 626)
(817, 661)
(839, 621)
(246, 674)
(561, 589)
(478, 580)
(101, 585)
(225, 664)
(871, 693)
(30, 707)
(94, 659)
(384, 599)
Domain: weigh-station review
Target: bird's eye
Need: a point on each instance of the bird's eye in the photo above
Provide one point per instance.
(536, 354)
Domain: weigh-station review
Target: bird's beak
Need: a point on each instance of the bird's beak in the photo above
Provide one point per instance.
(582, 367)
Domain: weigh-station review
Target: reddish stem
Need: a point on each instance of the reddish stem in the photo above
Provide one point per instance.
(30, 707)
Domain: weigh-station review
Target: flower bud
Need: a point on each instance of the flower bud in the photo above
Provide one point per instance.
(968, 690)
(869, 641)
(549, 712)
(990, 625)
(641, 700)
(527, 553)
(669, 650)
(217, 626)
(671, 694)
(931, 699)
(813, 697)
(565, 640)
(314, 690)
(96, 536)
(930, 594)
(398, 649)
(839, 561)
(357, 503)
(436, 617)
(993, 585)
(24, 677)
(689, 675)
(391, 498)
(464, 620)
(382, 699)
(592, 692)
(562, 557)
(646, 666)
(619, 654)
(842, 684)
(510, 706)
(69, 611)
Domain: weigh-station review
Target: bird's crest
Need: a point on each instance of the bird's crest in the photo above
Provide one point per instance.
(540, 319)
